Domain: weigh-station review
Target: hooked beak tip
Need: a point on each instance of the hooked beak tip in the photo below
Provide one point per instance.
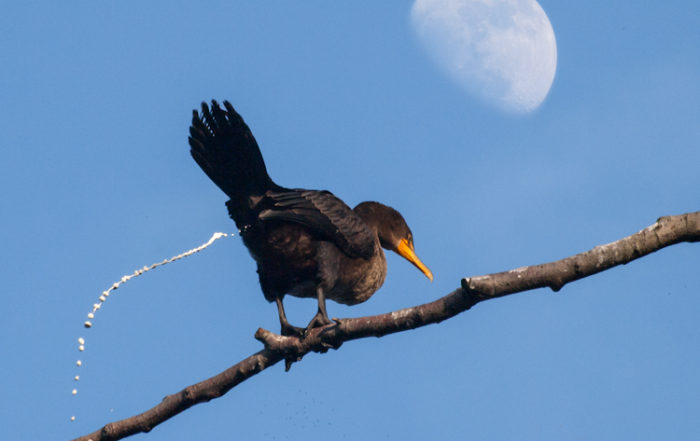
(407, 253)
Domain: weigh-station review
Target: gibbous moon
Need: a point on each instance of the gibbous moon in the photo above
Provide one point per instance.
(502, 51)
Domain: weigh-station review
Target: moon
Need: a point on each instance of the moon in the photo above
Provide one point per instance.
(502, 51)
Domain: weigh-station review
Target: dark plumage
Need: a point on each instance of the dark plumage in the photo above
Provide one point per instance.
(307, 243)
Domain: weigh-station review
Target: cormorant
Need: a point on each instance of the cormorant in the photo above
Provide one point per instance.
(307, 243)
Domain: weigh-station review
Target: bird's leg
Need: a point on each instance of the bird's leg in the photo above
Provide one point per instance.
(287, 329)
(321, 317)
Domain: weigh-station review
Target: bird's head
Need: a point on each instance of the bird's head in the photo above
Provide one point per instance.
(393, 232)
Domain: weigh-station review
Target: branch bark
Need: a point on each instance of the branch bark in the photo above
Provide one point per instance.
(664, 232)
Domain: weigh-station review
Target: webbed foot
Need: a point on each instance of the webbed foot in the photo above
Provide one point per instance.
(292, 331)
(319, 320)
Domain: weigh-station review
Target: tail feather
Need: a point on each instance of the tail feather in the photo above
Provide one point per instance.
(224, 147)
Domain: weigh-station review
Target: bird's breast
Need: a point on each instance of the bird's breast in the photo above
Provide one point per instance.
(351, 280)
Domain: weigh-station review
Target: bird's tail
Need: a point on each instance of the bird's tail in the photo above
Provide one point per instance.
(224, 147)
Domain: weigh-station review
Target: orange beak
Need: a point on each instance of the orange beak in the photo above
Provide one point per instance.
(405, 250)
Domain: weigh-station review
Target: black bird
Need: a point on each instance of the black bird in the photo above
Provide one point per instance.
(307, 243)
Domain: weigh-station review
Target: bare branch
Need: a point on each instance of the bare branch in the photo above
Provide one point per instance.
(665, 232)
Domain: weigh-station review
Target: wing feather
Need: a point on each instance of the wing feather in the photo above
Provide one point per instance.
(325, 214)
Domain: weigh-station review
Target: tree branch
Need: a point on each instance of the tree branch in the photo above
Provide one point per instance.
(664, 232)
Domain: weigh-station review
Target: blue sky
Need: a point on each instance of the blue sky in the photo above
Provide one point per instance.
(97, 181)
